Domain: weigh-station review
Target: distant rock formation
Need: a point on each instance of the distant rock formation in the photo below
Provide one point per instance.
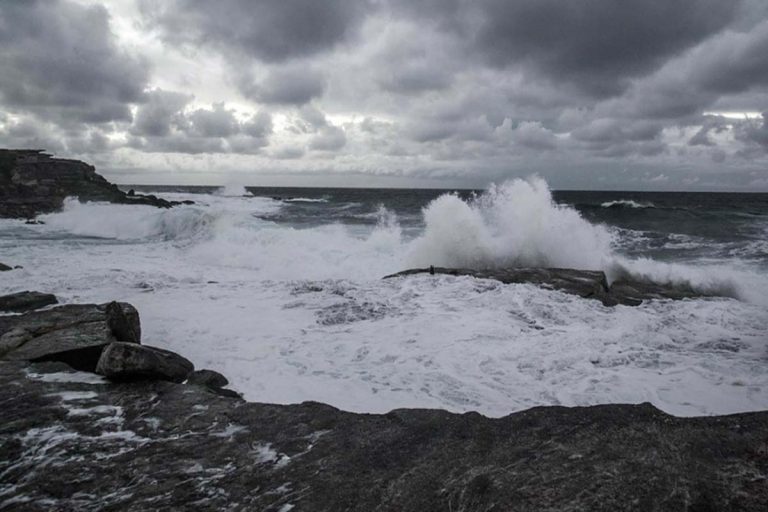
(33, 182)
(589, 284)
(145, 438)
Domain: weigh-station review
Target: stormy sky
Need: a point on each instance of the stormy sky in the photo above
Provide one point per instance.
(590, 94)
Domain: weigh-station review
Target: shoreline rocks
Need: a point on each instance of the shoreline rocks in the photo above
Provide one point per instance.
(146, 439)
(33, 182)
(589, 284)
(74, 442)
(26, 301)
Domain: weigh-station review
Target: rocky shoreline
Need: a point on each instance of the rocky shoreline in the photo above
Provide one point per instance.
(95, 420)
(33, 182)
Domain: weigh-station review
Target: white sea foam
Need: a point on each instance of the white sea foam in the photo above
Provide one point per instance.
(627, 203)
(232, 190)
(292, 314)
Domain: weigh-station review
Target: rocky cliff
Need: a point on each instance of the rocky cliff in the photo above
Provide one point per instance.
(33, 182)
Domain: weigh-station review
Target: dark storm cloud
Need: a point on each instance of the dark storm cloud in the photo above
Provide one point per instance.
(58, 59)
(596, 44)
(728, 64)
(272, 31)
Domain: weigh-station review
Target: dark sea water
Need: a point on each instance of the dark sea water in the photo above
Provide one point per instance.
(669, 226)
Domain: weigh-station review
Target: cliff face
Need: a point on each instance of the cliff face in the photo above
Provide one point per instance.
(33, 182)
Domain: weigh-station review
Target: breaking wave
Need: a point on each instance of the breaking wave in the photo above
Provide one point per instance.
(127, 222)
(626, 203)
(516, 223)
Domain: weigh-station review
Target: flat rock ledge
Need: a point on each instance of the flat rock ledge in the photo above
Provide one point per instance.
(76, 441)
(33, 182)
(591, 284)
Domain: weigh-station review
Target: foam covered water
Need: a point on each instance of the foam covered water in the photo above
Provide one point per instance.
(292, 310)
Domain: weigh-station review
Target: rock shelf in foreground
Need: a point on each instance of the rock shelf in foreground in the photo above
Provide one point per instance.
(74, 440)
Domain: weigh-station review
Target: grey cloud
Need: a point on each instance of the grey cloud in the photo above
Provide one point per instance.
(163, 125)
(596, 44)
(218, 122)
(329, 138)
(754, 132)
(271, 31)
(532, 135)
(160, 110)
(728, 64)
(291, 85)
(59, 60)
(260, 125)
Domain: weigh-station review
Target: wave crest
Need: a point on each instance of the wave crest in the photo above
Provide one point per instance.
(516, 223)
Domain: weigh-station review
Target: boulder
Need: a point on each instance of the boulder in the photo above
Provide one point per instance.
(130, 361)
(26, 301)
(74, 334)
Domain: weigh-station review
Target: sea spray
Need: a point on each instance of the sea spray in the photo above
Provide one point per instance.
(516, 223)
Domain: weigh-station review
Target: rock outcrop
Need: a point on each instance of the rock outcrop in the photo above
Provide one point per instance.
(75, 334)
(131, 361)
(33, 182)
(26, 301)
(590, 284)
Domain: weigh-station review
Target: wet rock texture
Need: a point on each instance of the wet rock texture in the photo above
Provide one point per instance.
(26, 301)
(70, 441)
(589, 284)
(131, 361)
(75, 333)
(33, 182)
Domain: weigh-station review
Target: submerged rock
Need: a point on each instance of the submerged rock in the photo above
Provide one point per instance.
(131, 361)
(33, 182)
(74, 334)
(26, 301)
(591, 284)
(72, 442)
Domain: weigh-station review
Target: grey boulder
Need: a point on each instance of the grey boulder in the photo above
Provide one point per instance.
(73, 334)
(130, 361)
(26, 301)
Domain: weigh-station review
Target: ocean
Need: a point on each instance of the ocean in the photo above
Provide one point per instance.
(280, 289)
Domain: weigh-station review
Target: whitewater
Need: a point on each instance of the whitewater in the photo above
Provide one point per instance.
(284, 296)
